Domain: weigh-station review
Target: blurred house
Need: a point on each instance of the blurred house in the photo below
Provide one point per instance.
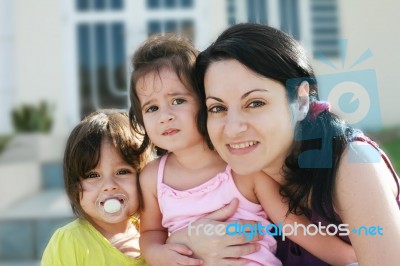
(75, 54)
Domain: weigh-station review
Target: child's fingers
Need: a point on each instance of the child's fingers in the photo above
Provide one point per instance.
(239, 251)
(187, 261)
(181, 249)
(225, 212)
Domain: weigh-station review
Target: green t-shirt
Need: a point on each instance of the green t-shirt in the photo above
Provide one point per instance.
(79, 243)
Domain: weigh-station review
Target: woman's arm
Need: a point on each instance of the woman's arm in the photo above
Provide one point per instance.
(152, 234)
(328, 248)
(215, 249)
(365, 199)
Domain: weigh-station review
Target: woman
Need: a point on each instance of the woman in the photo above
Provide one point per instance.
(262, 113)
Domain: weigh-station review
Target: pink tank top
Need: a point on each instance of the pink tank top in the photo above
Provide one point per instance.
(181, 207)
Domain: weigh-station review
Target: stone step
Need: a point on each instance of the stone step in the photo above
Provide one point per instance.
(21, 263)
(26, 227)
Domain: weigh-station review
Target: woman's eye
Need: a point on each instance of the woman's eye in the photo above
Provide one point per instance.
(151, 109)
(178, 101)
(216, 109)
(256, 104)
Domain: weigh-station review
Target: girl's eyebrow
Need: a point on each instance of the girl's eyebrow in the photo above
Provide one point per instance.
(145, 104)
(243, 96)
(170, 94)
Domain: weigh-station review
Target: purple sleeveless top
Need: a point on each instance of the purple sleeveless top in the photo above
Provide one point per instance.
(292, 254)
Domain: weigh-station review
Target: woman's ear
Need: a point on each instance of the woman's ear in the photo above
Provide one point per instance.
(303, 100)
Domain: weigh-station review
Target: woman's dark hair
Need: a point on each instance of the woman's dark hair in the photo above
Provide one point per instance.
(311, 166)
(157, 52)
(82, 152)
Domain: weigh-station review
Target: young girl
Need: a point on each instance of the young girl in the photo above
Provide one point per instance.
(101, 170)
(191, 180)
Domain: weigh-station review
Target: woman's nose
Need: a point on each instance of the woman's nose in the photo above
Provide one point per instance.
(235, 125)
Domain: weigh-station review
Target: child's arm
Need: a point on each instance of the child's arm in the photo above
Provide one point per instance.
(152, 234)
(327, 248)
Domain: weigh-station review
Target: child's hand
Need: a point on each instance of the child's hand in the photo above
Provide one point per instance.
(174, 254)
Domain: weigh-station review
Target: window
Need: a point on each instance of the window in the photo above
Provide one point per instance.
(187, 3)
(231, 11)
(313, 22)
(153, 4)
(184, 27)
(290, 22)
(154, 27)
(325, 29)
(98, 5)
(101, 58)
(169, 4)
(257, 11)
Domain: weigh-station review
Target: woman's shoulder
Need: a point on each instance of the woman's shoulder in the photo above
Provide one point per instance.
(362, 173)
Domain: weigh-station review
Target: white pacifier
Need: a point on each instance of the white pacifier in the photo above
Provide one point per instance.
(112, 207)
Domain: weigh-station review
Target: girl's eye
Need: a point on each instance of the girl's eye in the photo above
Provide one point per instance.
(123, 172)
(92, 175)
(151, 109)
(178, 101)
(256, 104)
(216, 109)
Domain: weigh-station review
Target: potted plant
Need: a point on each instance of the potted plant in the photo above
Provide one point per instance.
(32, 125)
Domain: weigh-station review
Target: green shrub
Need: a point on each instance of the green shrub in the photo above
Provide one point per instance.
(392, 148)
(3, 142)
(31, 118)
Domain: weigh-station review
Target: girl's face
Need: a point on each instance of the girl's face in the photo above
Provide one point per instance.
(169, 110)
(249, 121)
(112, 178)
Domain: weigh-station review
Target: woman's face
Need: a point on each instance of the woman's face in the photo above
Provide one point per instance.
(249, 121)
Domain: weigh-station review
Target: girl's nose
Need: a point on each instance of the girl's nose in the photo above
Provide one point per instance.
(109, 184)
(166, 116)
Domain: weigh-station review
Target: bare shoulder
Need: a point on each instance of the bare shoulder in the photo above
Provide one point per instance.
(148, 176)
(362, 169)
(365, 198)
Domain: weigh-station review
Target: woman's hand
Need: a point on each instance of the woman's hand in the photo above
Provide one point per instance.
(216, 249)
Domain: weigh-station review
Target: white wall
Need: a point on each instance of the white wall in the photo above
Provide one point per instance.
(7, 82)
(374, 25)
(39, 68)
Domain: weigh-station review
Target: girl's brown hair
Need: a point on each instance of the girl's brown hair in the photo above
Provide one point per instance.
(157, 52)
(82, 152)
